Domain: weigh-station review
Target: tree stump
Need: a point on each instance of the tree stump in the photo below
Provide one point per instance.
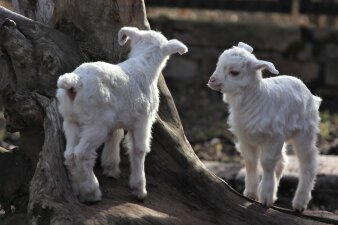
(180, 189)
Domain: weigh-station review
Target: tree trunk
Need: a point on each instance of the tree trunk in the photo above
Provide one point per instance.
(180, 189)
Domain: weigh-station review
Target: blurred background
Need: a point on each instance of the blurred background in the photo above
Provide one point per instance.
(299, 36)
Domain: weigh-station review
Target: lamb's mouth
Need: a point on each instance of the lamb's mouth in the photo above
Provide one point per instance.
(215, 87)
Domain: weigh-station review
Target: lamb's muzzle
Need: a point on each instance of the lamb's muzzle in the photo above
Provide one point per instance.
(214, 84)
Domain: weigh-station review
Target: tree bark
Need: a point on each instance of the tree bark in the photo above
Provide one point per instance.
(180, 189)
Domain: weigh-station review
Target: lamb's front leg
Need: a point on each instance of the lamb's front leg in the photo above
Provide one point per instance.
(270, 156)
(141, 137)
(250, 155)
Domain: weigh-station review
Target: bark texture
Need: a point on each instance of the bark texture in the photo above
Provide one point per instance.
(180, 189)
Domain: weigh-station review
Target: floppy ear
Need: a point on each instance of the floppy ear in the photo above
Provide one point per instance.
(127, 33)
(174, 46)
(245, 46)
(261, 64)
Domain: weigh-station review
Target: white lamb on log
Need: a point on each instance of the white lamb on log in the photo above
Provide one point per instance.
(265, 114)
(99, 100)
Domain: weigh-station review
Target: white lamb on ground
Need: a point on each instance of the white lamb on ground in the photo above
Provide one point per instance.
(98, 100)
(265, 114)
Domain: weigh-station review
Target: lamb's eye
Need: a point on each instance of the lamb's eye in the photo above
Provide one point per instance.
(234, 73)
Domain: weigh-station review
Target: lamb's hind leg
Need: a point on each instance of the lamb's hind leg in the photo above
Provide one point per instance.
(85, 155)
(141, 137)
(281, 164)
(72, 132)
(110, 158)
(307, 154)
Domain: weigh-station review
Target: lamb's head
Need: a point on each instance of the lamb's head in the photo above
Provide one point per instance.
(143, 41)
(237, 68)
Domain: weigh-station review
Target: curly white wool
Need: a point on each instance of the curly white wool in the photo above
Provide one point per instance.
(98, 100)
(265, 114)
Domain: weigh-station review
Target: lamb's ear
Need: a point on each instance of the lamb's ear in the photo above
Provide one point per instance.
(261, 64)
(245, 46)
(174, 46)
(127, 33)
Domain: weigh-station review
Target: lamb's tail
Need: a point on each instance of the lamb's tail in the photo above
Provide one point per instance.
(69, 80)
(71, 83)
(317, 101)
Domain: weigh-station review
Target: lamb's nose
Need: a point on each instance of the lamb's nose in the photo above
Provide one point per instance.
(212, 80)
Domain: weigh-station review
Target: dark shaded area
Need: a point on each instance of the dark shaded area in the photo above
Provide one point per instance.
(15, 174)
(328, 7)
(283, 6)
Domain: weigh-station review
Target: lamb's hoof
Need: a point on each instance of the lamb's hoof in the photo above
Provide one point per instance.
(69, 159)
(266, 202)
(139, 194)
(114, 173)
(138, 187)
(299, 208)
(90, 197)
(251, 195)
(300, 211)
(299, 203)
